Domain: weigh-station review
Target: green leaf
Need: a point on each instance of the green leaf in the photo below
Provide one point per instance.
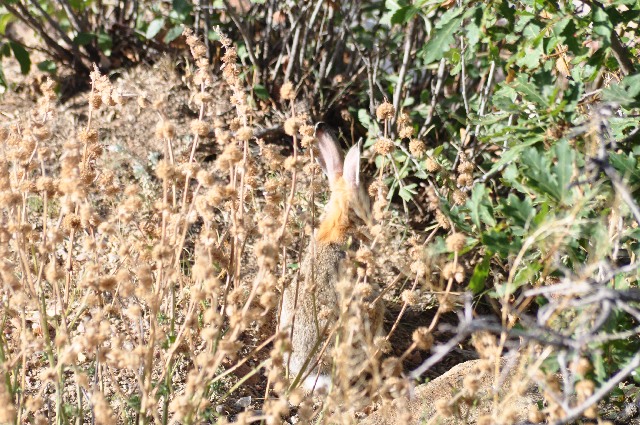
(533, 49)
(22, 57)
(473, 33)
(626, 93)
(407, 192)
(261, 92)
(5, 19)
(154, 28)
(441, 40)
(173, 33)
(48, 66)
(563, 168)
(83, 38)
(480, 207)
(365, 119)
(182, 9)
(602, 25)
(529, 91)
(105, 43)
(627, 166)
(524, 276)
(3, 80)
(538, 171)
(499, 242)
(404, 15)
(520, 212)
(480, 274)
(530, 57)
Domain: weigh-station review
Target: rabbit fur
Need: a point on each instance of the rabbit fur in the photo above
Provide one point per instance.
(304, 298)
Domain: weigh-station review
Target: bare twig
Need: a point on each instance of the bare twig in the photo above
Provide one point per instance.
(408, 43)
(434, 98)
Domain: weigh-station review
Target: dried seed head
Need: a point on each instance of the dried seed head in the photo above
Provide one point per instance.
(465, 167)
(443, 408)
(471, 383)
(486, 345)
(453, 271)
(581, 366)
(423, 338)
(442, 220)
(95, 100)
(41, 133)
(385, 111)
(205, 178)
(165, 129)
(456, 242)
(383, 146)
(417, 147)
(431, 165)
(403, 119)
(306, 130)
(406, 132)
(46, 185)
(584, 389)
(71, 222)
(459, 197)
(485, 420)
(410, 297)
(200, 128)
(465, 180)
(535, 415)
(509, 415)
(291, 126)
(287, 91)
(244, 133)
(88, 136)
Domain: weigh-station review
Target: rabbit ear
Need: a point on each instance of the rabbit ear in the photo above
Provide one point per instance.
(330, 157)
(352, 166)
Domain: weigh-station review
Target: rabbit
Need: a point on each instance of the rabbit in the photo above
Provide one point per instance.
(319, 273)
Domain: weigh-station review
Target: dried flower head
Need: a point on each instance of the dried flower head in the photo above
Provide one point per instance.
(287, 91)
(456, 242)
(423, 338)
(406, 132)
(244, 133)
(200, 128)
(431, 165)
(384, 146)
(410, 297)
(291, 126)
(165, 129)
(403, 119)
(442, 220)
(459, 197)
(444, 408)
(385, 111)
(465, 167)
(465, 180)
(417, 147)
(453, 271)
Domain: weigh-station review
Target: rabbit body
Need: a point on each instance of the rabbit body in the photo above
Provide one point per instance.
(315, 289)
(311, 304)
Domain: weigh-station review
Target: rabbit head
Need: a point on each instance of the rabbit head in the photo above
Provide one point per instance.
(348, 192)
